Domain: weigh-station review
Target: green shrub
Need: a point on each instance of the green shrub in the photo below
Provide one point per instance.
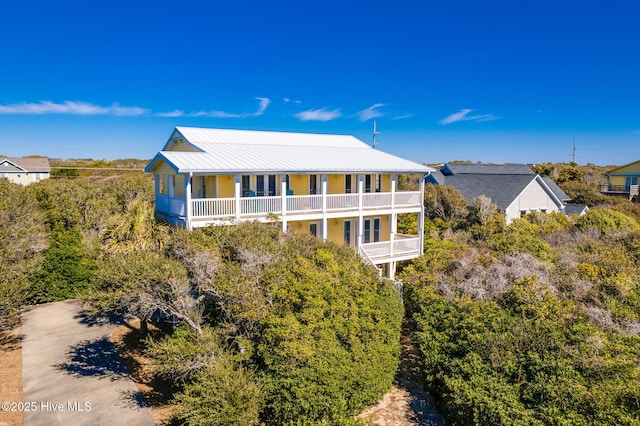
(221, 394)
(522, 236)
(330, 346)
(606, 220)
(67, 270)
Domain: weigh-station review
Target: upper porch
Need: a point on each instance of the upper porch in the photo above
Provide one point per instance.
(198, 212)
(201, 200)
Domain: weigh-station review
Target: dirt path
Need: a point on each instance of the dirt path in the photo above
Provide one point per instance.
(407, 404)
(11, 377)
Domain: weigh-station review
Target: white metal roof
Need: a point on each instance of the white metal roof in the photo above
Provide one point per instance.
(246, 151)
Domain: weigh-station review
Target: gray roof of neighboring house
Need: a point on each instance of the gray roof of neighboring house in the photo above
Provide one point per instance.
(248, 151)
(501, 188)
(557, 190)
(31, 164)
(436, 177)
(492, 169)
(575, 209)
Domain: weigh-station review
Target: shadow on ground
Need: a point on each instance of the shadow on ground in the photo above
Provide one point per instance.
(97, 358)
(99, 319)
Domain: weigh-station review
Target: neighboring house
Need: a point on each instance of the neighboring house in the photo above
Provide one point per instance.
(24, 170)
(514, 188)
(332, 186)
(569, 208)
(623, 180)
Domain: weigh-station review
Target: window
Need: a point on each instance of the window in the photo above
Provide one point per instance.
(373, 183)
(523, 213)
(314, 228)
(246, 185)
(367, 231)
(314, 184)
(371, 235)
(37, 176)
(376, 229)
(260, 186)
(348, 184)
(265, 185)
(347, 232)
(630, 180)
(272, 185)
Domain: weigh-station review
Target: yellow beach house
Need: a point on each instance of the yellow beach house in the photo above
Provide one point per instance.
(335, 187)
(623, 180)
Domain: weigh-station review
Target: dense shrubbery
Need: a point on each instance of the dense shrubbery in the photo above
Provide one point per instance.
(535, 323)
(280, 327)
(23, 238)
(606, 220)
(526, 359)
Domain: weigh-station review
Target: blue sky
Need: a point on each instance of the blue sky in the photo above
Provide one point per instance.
(491, 81)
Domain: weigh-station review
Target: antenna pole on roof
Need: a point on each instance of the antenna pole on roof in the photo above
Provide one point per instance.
(375, 132)
(574, 150)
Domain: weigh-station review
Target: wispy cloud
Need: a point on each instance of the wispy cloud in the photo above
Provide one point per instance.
(174, 113)
(371, 112)
(70, 107)
(320, 114)
(262, 106)
(295, 101)
(463, 115)
(402, 117)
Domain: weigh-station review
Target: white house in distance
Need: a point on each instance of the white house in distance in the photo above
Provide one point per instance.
(333, 186)
(24, 171)
(514, 188)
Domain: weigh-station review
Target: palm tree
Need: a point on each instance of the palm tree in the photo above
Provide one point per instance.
(134, 229)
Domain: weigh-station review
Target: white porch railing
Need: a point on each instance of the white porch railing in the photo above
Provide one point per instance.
(260, 205)
(213, 208)
(304, 203)
(402, 247)
(407, 198)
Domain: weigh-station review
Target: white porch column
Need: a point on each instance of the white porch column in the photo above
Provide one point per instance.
(237, 191)
(283, 200)
(391, 270)
(187, 199)
(325, 231)
(359, 239)
(393, 226)
(421, 216)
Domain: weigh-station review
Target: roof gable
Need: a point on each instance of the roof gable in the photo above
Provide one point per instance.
(627, 169)
(8, 166)
(30, 164)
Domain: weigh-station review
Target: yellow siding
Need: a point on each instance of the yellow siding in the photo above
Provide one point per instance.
(226, 186)
(627, 170)
(386, 183)
(617, 180)
(210, 186)
(336, 230)
(299, 184)
(384, 228)
(163, 169)
(336, 184)
(180, 145)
